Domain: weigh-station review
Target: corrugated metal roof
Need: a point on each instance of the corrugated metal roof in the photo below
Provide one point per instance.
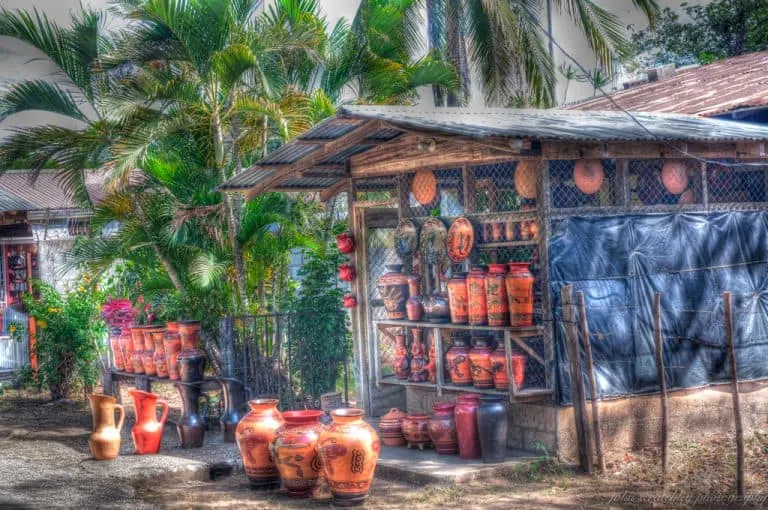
(329, 130)
(713, 89)
(309, 183)
(10, 202)
(342, 156)
(288, 153)
(46, 192)
(248, 178)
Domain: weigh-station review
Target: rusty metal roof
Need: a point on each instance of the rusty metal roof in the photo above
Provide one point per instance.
(713, 89)
(18, 192)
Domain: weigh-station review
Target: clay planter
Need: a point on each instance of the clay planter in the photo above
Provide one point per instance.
(415, 430)
(519, 283)
(148, 430)
(478, 308)
(419, 359)
(149, 344)
(349, 449)
(496, 295)
(391, 428)
(457, 360)
(480, 359)
(117, 352)
(294, 450)
(393, 288)
(467, 435)
(137, 334)
(126, 346)
(492, 427)
(148, 360)
(255, 433)
(402, 366)
(158, 357)
(458, 299)
(413, 307)
(442, 429)
(191, 426)
(234, 404)
(172, 347)
(105, 438)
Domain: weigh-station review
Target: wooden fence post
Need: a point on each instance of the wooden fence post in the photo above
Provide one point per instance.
(735, 393)
(595, 395)
(661, 375)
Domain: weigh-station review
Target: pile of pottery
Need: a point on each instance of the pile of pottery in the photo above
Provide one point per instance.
(474, 427)
(482, 365)
(296, 448)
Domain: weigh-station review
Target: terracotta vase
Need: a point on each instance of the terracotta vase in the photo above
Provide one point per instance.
(393, 288)
(191, 359)
(496, 295)
(499, 368)
(391, 428)
(432, 364)
(510, 229)
(148, 360)
(436, 308)
(518, 369)
(234, 405)
(467, 435)
(294, 450)
(255, 433)
(149, 344)
(105, 437)
(158, 357)
(519, 283)
(117, 352)
(349, 449)
(442, 429)
(492, 420)
(148, 430)
(172, 346)
(478, 308)
(138, 362)
(497, 229)
(419, 359)
(458, 298)
(402, 366)
(190, 334)
(172, 326)
(457, 360)
(191, 426)
(413, 307)
(126, 346)
(480, 359)
(137, 334)
(415, 430)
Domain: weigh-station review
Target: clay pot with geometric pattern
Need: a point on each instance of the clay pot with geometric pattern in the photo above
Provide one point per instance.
(254, 435)
(294, 450)
(442, 429)
(391, 427)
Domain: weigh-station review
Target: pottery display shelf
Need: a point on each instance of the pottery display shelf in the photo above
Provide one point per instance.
(512, 335)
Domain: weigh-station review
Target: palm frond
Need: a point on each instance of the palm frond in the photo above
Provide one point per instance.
(603, 30)
(42, 96)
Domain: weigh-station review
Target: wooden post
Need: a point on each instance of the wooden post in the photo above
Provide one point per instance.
(577, 381)
(735, 394)
(661, 376)
(595, 395)
(226, 338)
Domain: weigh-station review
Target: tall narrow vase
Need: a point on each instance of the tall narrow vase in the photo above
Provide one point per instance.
(496, 295)
(519, 282)
(492, 426)
(294, 450)
(255, 433)
(126, 346)
(191, 427)
(117, 352)
(148, 430)
(419, 359)
(234, 403)
(172, 346)
(478, 307)
(402, 366)
(105, 438)
(467, 435)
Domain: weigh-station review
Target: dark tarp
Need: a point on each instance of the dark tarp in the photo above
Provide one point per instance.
(619, 263)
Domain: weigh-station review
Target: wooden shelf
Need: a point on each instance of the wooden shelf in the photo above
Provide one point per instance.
(506, 244)
(521, 395)
(514, 331)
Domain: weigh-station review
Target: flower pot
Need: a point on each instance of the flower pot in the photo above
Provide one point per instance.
(457, 360)
(467, 435)
(419, 359)
(478, 308)
(234, 404)
(255, 433)
(415, 430)
(146, 332)
(295, 452)
(104, 440)
(480, 359)
(117, 353)
(442, 429)
(492, 428)
(402, 366)
(458, 299)
(496, 295)
(126, 346)
(158, 358)
(147, 432)
(349, 449)
(191, 426)
(393, 288)
(519, 282)
(391, 428)
(172, 347)
(137, 334)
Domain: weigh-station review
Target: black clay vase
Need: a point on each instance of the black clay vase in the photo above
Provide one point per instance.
(492, 428)
(234, 404)
(191, 365)
(191, 426)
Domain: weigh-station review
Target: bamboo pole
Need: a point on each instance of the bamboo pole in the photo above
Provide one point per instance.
(735, 394)
(595, 395)
(660, 371)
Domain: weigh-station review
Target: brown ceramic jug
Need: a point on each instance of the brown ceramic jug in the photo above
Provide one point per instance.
(294, 450)
(105, 438)
(442, 429)
(254, 435)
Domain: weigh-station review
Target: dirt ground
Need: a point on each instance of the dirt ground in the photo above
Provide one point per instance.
(42, 445)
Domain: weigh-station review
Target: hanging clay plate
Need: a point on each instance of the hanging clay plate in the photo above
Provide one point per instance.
(424, 187)
(406, 238)
(432, 241)
(461, 238)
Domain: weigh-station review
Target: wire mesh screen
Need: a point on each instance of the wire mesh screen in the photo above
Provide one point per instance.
(737, 184)
(504, 187)
(584, 183)
(438, 192)
(376, 190)
(665, 182)
(381, 253)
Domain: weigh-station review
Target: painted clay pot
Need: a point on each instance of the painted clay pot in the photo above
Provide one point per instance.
(499, 368)
(191, 426)
(480, 359)
(432, 364)
(436, 308)
(415, 430)
(674, 176)
(117, 352)
(294, 450)
(149, 344)
(467, 435)
(391, 428)
(137, 333)
(402, 365)
(496, 295)
(190, 334)
(457, 360)
(518, 369)
(478, 308)
(519, 282)
(158, 358)
(148, 430)
(497, 231)
(138, 362)
(492, 427)
(458, 298)
(126, 346)
(349, 449)
(255, 433)
(148, 360)
(346, 243)
(419, 359)
(172, 326)
(393, 288)
(105, 437)
(413, 307)
(442, 429)
(510, 231)
(172, 346)
(234, 405)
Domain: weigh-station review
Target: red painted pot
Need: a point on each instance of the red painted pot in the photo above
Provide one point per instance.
(172, 346)
(478, 308)
(442, 429)
(458, 298)
(254, 435)
(499, 368)
(148, 430)
(190, 334)
(391, 428)
(496, 295)
(294, 450)
(402, 365)
(415, 430)
(480, 358)
(457, 361)
(467, 436)
(126, 346)
(519, 282)
(346, 243)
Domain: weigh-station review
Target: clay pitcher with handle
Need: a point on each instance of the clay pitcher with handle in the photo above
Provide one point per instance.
(148, 430)
(105, 438)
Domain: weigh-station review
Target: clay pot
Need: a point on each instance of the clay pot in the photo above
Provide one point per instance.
(191, 365)
(393, 288)
(478, 309)
(294, 450)
(137, 359)
(190, 334)
(525, 179)
(496, 295)
(105, 437)
(346, 243)
(349, 449)
(146, 332)
(158, 358)
(519, 282)
(126, 347)
(467, 435)
(589, 175)
(432, 364)
(117, 352)
(255, 433)
(402, 365)
(457, 360)
(419, 359)
(234, 407)
(480, 359)
(497, 231)
(674, 176)
(148, 430)
(458, 298)
(172, 326)
(413, 307)
(148, 360)
(442, 429)
(518, 369)
(510, 231)
(191, 426)
(137, 334)
(172, 346)
(391, 428)
(415, 430)
(346, 273)
(492, 428)
(436, 308)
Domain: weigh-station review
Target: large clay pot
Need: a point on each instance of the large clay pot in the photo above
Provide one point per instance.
(126, 347)
(419, 359)
(478, 308)
(105, 438)
(137, 359)
(393, 288)
(349, 449)
(294, 450)
(432, 364)
(496, 295)
(436, 308)
(415, 430)
(117, 352)
(413, 307)
(391, 427)
(480, 359)
(148, 430)
(190, 334)
(172, 346)
(457, 360)
(255, 433)
(191, 426)
(467, 435)
(158, 358)
(519, 283)
(402, 365)
(191, 359)
(499, 368)
(492, 427)
(442, 429)
(458, 299)
(525, 179)
(148, 360)
(674, 176)
(234, 405)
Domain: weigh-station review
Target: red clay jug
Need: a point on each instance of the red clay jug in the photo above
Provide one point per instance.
(295, 452)
(148, 430)
(466, 425)
(254, 435)
(519, 283)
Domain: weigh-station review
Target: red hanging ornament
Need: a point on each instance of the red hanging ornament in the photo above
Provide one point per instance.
(346, 273)
(346, 242)
(350, 301)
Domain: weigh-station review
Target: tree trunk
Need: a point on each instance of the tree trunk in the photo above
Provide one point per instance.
(172, 273)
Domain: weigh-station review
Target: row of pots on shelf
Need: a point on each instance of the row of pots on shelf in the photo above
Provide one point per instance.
(511, 230)
(489, 296)
(474, 427)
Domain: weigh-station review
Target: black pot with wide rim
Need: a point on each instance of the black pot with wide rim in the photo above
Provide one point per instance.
(191, 365)
(492, 419)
